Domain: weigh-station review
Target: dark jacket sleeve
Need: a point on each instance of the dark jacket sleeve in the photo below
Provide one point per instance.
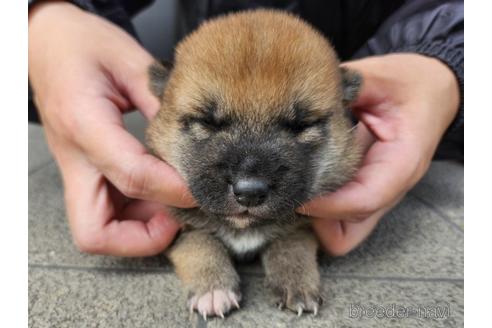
(431, 28)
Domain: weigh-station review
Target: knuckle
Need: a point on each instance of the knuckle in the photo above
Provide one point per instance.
(423, 166)
(133, 183)
(360, 217)
(66, 127)
(415, 168)
(368, 206)
(91, 243)
(70, 127)
(335, 242)
(61, 107)
(57, 114)
(156, 248)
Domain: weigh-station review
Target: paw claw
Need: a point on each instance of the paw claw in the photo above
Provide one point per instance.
(192, 303)
(299, 301)
(216, 302)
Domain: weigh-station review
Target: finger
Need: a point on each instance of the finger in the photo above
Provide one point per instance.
(340, 237)
(132, 170)
(139, 92)
(140, 238)
(373, 107)
(370, 93)
(363, 137)
(131, 74)
(94, 220)
(385, 175)
(141, 210)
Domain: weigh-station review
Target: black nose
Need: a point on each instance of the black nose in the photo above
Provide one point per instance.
(250, 191)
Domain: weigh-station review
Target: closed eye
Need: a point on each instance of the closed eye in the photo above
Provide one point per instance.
(208, 122)
(209, 118)
(213, 123)
(298, 127)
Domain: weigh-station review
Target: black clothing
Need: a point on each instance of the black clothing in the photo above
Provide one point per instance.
(356, 28)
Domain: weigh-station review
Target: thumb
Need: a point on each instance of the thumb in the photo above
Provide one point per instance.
(130, 73)
(370, 92)
(138, 91)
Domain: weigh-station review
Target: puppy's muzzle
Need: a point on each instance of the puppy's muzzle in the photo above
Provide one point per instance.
(250, 191)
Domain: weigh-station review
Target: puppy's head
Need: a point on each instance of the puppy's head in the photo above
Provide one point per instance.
(254, 116)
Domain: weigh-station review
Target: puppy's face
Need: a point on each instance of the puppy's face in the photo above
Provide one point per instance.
(253, 117)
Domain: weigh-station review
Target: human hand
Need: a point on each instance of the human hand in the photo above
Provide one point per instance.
(406, 104)
(85, 73)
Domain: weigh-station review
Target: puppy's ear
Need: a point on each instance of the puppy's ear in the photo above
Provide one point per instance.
(158, 75)
(351, 84)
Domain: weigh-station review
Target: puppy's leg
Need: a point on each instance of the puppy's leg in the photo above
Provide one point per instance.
(205, 268)
(292, 271)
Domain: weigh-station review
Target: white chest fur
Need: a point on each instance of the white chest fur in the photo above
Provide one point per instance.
(244, 243)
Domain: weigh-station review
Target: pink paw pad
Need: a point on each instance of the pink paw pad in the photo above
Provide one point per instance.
(214, 303)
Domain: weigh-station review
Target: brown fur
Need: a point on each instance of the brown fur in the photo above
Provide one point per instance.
(192, 254)
(292, 271)
(291, 60)
(255, 65)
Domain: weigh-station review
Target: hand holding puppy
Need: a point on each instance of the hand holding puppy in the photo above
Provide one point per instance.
(86, 73)
(406, 104)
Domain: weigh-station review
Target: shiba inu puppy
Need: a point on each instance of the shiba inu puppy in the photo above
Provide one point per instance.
(254, 117)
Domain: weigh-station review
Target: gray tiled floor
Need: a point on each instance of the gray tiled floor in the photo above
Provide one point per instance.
(443, 193)
(414, 258)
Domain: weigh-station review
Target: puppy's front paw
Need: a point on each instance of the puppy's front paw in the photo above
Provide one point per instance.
(214, 303)
(298, 300)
